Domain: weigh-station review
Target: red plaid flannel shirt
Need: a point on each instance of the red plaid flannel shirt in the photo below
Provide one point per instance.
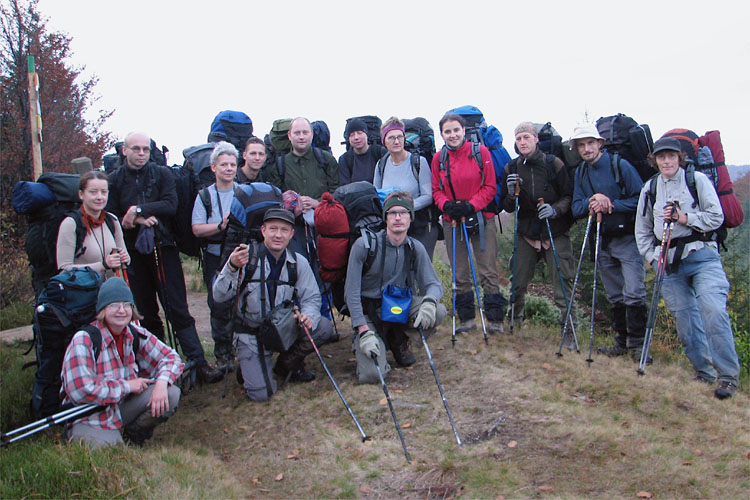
(104, 381)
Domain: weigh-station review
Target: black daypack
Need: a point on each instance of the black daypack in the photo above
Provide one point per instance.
(373, 130)
(633, 141)
(420, 138)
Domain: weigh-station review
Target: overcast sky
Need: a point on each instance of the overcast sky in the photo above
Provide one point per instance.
(167, 67)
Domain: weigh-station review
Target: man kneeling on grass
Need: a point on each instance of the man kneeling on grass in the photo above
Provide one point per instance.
(102, 365)
(271, 276)
(398, 263)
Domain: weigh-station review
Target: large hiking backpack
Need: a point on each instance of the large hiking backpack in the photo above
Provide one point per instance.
(633, 141)
(420, 138)
(246, 213)
(373, 129)
(706, 155)
(489, 136)
(44, 218)
(321, 135)
(198, 159)
(234, 127)
(364, 214)
(66, 303)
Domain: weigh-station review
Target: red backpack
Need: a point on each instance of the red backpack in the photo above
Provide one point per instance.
(716, 170)
(332, 226)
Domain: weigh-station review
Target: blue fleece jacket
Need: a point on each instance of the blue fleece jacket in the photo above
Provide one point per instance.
(599, 178)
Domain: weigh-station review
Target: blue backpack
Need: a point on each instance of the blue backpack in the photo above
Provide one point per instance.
(477, 131)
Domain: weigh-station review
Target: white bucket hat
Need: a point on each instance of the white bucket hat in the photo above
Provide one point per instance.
(584, 131)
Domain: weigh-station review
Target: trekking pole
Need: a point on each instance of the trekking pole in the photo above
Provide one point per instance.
(568, 304)
(517, 191)
(390, 405)
(44, 423)
(453, 283)
(661, 265)
(365, 437)
(590, 360)
(573, 293)
(474, 276)
(122, 273)
(440, 387)
(164, 301)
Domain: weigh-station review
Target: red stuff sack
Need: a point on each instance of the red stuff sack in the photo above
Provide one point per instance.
(730, 205)
(332, 226)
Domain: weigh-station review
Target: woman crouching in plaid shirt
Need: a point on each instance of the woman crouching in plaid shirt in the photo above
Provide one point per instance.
(110, 373)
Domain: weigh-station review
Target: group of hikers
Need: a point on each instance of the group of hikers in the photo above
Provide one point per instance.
(134, 372)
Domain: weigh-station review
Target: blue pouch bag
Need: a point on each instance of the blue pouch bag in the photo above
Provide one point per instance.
(395, 305)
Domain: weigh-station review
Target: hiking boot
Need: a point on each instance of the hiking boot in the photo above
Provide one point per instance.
(725, 390)
(636, 353)
(496, 327)
(208, 374)
(465, 326)
(137, 435)
(302, 375)
(704, 380)
(403, 355)
(613, 351)
(225, 363)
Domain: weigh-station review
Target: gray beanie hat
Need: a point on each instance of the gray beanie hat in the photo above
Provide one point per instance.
(113, 290)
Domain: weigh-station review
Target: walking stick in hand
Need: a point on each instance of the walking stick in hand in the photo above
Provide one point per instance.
(590, 360)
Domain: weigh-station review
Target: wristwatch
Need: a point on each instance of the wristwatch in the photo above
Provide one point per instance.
(138, 211)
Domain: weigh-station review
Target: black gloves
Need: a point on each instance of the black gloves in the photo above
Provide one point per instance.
(458, 209)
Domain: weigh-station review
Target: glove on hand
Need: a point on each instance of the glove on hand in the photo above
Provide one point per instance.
(511, 181)
(453, 209)
(467, 209)
(426, 315)
(546, 212)
(369, 343)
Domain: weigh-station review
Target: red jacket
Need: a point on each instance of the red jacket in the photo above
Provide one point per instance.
(465, 178)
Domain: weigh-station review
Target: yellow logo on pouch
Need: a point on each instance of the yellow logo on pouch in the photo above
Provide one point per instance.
(396, 310)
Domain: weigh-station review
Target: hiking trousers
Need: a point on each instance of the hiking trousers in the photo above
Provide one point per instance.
(145, 285)
(696, 295)
(221, 312)
(485, 262)
(134, 411)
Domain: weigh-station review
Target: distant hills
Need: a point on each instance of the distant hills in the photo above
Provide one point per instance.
(737, 171)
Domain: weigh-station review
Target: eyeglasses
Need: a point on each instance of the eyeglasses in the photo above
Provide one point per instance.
(116, 306)
(399, 213)
(394, 138)
(138, 149)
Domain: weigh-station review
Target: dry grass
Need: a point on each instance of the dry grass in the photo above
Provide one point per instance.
(533, 426)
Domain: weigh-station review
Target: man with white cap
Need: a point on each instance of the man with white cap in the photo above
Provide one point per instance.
(606, 183)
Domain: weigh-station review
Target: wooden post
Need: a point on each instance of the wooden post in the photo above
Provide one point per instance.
(35, 119)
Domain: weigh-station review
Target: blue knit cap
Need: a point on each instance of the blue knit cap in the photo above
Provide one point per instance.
(113, 290)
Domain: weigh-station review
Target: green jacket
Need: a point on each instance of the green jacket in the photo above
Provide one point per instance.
(304, 175)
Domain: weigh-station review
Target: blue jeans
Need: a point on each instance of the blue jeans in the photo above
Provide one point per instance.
(696, 295)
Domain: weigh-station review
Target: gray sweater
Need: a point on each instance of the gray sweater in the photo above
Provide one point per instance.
(401, 175)
(389, 272)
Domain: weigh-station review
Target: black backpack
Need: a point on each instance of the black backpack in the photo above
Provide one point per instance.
(198, 159)
(633, 141)
(321, 135)
(420, 138)
(373, 130)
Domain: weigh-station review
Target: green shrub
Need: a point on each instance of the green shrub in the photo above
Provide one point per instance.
(541, 311)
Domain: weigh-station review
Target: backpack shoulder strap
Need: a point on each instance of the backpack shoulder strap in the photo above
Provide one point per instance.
(291, 268)
(109, 220)
(381, 165)
(80, 232)
(651, 193)
(416, 160)
(205, 197)
(372, 247)
(136, 339)
(320, 158)
(281, 167)
(96, 339)
(690, 181)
